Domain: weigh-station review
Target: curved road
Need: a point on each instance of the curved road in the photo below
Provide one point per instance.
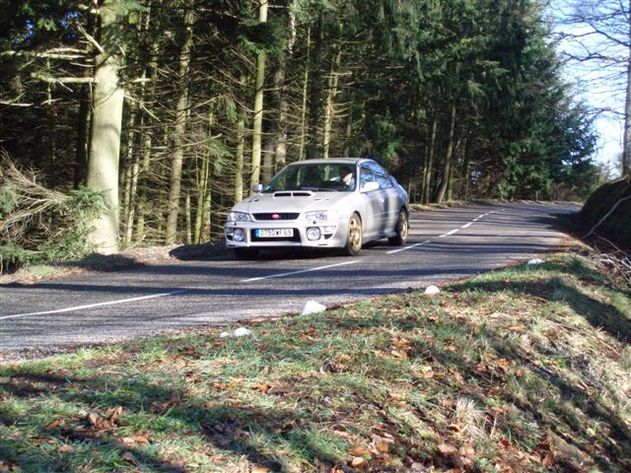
(107, 307)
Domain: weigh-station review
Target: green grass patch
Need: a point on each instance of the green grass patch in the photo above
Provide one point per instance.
(527, 368)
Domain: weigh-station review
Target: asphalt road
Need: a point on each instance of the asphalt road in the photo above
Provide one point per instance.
(107, 307)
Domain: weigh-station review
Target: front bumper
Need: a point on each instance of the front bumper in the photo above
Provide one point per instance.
(330, 234)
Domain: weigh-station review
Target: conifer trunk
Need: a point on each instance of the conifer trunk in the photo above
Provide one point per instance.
(177, 156)
(330, 102)
(305, 95)
(257, 124)
(626, 146)
(429, 163)
(240, 135)
(280, 153)
(449, 155)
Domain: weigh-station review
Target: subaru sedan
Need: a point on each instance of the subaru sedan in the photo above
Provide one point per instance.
(338, 203)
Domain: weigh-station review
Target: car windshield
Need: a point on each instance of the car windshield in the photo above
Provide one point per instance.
(323, 177)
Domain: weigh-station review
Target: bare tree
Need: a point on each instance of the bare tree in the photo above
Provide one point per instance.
(600, 34)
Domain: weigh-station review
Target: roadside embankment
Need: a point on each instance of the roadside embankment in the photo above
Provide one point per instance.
(608, 212)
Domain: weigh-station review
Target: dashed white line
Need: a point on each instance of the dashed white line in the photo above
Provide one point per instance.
(405, 248)
(291, 273)
(92, 306)
(451, 232)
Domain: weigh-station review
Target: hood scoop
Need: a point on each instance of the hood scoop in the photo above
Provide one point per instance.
(293, 194)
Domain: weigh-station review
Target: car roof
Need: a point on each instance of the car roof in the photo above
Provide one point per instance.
(353, 161)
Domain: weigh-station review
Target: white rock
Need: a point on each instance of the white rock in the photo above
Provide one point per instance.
(241, 332)
(431, 290)
(535, 261)
(313, 307)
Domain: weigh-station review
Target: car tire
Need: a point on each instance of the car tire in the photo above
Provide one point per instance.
(354, 236)
(401, 229)
(246, 253)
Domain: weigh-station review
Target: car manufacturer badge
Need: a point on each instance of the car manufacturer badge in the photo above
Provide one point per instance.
(275, 216)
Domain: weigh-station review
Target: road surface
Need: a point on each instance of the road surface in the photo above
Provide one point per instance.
(108, 307)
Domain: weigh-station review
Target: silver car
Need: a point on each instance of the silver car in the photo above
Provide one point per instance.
(325, 203)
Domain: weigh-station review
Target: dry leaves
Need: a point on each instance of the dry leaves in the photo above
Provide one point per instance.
(164, 406)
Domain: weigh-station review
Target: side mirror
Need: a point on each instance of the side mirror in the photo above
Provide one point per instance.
(370, 186)
(257, 188)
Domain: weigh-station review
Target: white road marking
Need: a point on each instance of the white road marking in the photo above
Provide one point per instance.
(405, 248)
(451, 232)
(291, 273)
(92, 306)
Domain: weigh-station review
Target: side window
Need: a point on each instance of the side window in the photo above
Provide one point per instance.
(381, 176)
(366, 176)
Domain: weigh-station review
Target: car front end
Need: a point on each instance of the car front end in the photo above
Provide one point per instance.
(252, 225)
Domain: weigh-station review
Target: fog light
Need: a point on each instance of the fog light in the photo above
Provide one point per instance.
(238, 234)
(313, 233)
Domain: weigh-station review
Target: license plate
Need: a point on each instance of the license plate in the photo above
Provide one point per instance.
(274, 232)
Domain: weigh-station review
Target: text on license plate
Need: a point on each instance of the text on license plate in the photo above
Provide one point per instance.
(273, 232)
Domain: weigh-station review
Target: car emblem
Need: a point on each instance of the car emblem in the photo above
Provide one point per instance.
(275, 216)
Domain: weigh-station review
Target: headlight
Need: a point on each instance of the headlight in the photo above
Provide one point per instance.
(239, 217)
(319, 215)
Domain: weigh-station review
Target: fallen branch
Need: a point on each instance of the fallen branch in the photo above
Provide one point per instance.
(611, 210)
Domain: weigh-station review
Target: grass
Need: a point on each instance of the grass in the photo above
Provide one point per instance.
(523, 369)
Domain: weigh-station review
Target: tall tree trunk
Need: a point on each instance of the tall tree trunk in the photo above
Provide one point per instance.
(83, 122)
(51, 119)
(187, 215)
(138, 136)
(626, 146)
(132, 165)
(107, 115)
(280, 153)
(238, 173)
(203, 185)
(305, 95)
(429, 163)
(348, 133)
(83, 133)
(257, 125)
(449, 156)
(177, 157)
(140, 221)
(465, 168)
(315, 93)
(330, 102)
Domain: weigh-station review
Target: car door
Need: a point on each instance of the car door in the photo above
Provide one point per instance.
(390, 198)
(371, 202)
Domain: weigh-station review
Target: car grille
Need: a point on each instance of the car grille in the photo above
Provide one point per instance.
(280, 216)
(295, 238)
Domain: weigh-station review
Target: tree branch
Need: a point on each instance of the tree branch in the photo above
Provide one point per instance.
(63, 80)
(611, 210)
(44, 55)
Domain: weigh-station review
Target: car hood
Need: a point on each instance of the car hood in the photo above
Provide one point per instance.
(290, 201)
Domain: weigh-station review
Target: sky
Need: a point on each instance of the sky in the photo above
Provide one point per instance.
(597, 83)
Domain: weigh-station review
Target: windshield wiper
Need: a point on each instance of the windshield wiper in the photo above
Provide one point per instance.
(316, 189)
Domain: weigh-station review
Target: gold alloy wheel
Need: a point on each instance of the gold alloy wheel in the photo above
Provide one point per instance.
(402, 229)
(403, 226)
(354, 239)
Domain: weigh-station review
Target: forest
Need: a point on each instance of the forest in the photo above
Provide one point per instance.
(144, 121)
